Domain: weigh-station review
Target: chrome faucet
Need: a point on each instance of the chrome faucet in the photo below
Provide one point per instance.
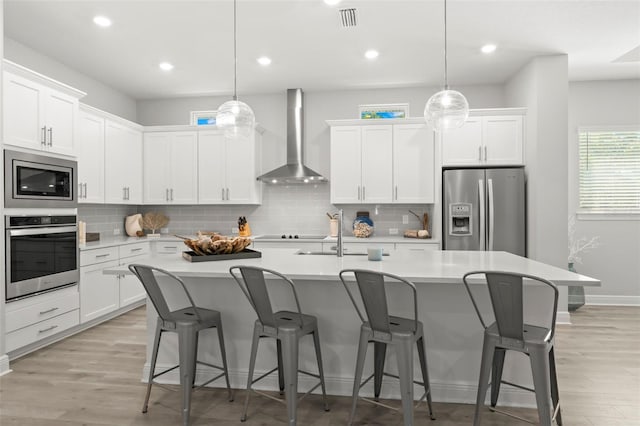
(339, 249)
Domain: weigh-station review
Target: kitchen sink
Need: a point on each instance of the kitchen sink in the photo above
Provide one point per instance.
(323, 253)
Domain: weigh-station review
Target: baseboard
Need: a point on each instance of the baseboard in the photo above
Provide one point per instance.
(464, 393)
(563, 317)
(4, 365)
(612, 300)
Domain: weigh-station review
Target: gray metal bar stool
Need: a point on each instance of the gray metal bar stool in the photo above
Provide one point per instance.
(383, 329)
(510, 332)
(187, 322)
(287, 327)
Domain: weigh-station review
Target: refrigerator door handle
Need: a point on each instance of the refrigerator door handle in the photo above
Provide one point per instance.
(482, 210)
(491, 215)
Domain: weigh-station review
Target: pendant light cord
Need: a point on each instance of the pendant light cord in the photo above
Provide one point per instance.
(235, 55)
(446, 82)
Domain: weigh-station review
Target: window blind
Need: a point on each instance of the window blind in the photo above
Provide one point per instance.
(610, 170)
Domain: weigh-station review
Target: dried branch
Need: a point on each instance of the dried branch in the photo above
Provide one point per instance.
(154, 221)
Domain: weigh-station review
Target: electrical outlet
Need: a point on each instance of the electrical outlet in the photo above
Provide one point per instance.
(405, 219)
(116, 231)
(393, 231)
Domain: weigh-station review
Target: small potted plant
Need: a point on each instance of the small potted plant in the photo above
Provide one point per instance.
(155, 222)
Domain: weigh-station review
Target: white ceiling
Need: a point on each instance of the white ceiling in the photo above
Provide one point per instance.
(310, 49)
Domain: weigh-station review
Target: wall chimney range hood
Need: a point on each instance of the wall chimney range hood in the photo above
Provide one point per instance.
(294, 172)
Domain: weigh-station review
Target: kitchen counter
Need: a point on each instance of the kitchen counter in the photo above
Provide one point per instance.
(452, 332)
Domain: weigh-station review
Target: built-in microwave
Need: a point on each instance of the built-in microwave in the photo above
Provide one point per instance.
(32, 180)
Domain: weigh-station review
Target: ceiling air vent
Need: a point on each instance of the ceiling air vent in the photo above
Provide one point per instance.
(348, 17)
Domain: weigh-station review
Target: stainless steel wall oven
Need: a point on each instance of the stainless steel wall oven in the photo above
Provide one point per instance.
(41, 254)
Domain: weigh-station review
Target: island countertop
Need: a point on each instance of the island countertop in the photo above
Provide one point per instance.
(434, 266)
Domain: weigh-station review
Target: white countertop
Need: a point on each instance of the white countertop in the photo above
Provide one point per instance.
(434, 266)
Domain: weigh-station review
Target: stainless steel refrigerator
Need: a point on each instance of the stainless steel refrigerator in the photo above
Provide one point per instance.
(484, 209)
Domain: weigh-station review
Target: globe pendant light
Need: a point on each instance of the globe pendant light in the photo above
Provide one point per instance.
(235, 117)
(447, 109)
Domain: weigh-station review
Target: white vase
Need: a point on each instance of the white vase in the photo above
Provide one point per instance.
(132, 225)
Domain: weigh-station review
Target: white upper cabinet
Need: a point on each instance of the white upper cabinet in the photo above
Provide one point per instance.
(375, 163)
(228, 168)
(490, 140)
(123, 163)
(171, 167)
(90, 149)
(361, 168)
(413, 164)
(38, 112)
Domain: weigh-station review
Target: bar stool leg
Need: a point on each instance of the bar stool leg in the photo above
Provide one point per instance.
(187, 344)
(379, 354)
(290, 361)
(252, 365)
(425, 374)
(316, 344)
(152, 367)
(496, 374)
(405, 372)
(483, 382)
(362, 354)
(555, 395)
(280, 367)
(539, 359)
(223, 353)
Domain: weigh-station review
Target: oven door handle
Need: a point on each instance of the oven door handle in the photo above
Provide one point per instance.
(38, 231)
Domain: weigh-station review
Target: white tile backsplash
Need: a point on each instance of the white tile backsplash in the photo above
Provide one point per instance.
(292, 209)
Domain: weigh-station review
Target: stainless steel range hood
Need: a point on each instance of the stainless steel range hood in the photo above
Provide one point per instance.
(294, 171)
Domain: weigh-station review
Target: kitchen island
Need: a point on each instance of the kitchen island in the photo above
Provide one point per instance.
(452, 331)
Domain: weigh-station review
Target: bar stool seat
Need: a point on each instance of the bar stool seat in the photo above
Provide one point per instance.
(510, 332)
(383, 329)
(287, 327)
(187, 322)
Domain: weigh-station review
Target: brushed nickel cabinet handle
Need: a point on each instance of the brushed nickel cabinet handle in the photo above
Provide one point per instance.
(48, 311)
(485, 153)
(479, 153)
(171, 194)
(44, 330)
(43, 141)
(227, 194)
(50, 136)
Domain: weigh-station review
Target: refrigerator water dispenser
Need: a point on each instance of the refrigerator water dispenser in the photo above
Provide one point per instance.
(460, 219)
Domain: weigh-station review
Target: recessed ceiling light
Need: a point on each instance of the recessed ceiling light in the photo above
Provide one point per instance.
(332, 2)
(264, 61)
(371, 54)
(102, 21)
(488, 48)
(165, 66)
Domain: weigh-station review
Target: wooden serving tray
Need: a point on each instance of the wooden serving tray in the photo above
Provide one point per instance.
(191, 256)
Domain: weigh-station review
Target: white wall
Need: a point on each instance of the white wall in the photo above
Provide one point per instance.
(4, 360)
(99, 95)
(542, 87)
(616, 261)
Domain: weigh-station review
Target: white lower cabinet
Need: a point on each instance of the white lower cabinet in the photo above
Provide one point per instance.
(35, 318)
(422, 247)
(102, 294)
(301, 245)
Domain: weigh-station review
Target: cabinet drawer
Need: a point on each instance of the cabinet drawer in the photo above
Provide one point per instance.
(90, 257)
(417, 246)
(169, 247)
(42, 310)
(136, 249)
(35, 332)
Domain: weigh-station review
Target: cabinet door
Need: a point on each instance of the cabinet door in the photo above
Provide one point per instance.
(211, 167)
(377, 165)
(503, 136)
(413, 164)
(61, 111)
(131, 289)
(23, 112)
(114, 176)
(90, 150)
(183, 163)
(132, 162)
(463, 146)
(242, 186)
(157, 158)
(99, 293)
(346, 165)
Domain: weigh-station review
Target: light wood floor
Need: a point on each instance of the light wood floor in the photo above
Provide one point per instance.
(93, 379)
